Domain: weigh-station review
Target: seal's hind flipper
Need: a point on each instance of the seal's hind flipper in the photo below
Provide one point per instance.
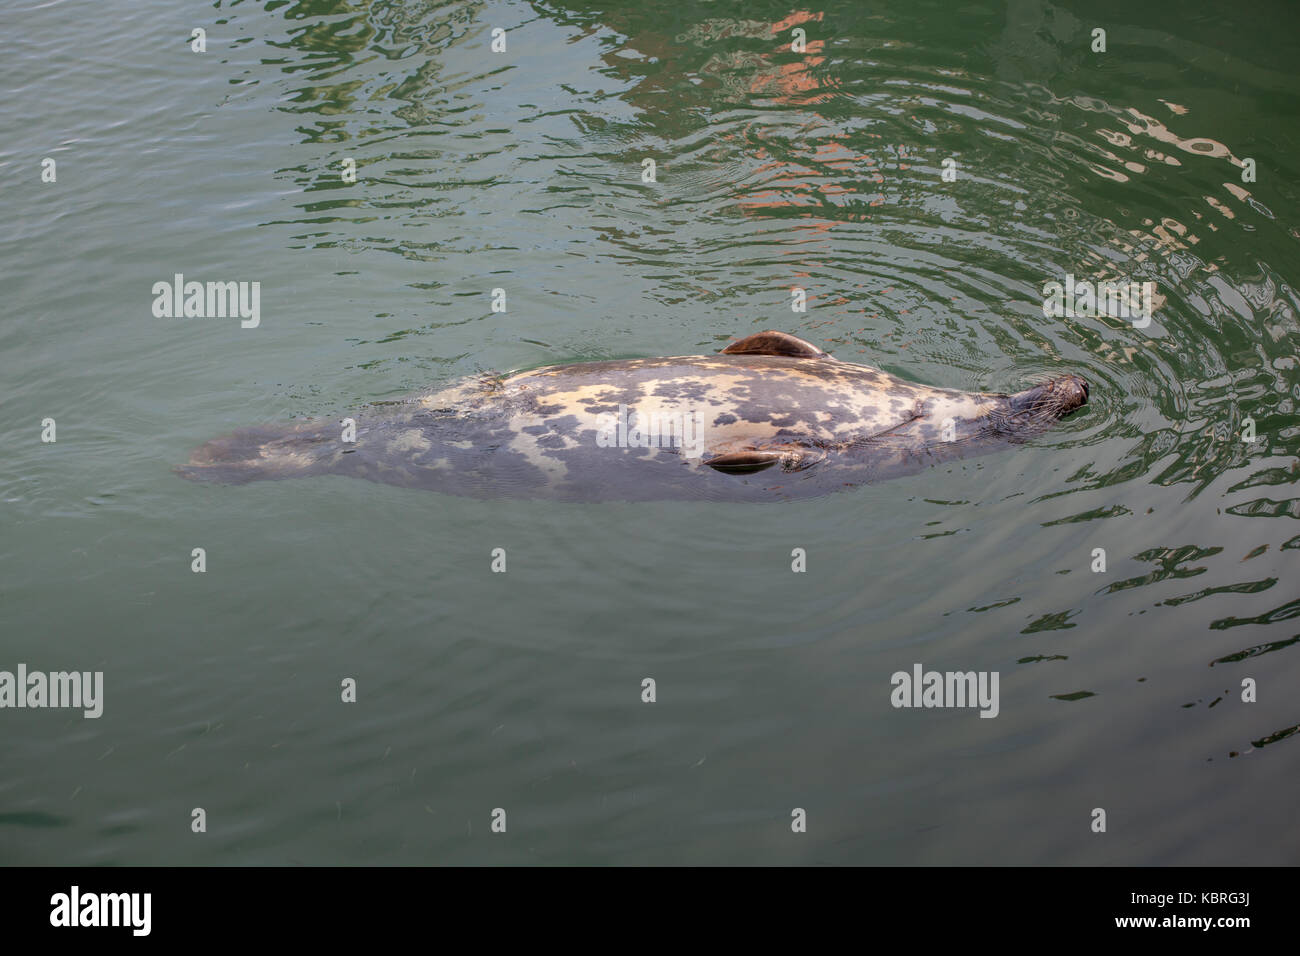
(267, 452)
(775, 343)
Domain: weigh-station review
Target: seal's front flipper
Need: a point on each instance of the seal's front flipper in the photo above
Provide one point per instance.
(775, 343)
(743, 462)
(792, 456)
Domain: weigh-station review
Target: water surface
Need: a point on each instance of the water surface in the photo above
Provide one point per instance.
(522, 170)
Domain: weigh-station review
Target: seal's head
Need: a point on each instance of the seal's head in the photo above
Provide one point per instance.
(1043, 404)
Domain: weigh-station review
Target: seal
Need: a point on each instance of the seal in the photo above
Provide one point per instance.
(770, 417)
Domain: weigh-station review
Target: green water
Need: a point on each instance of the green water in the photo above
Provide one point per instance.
(522, 170)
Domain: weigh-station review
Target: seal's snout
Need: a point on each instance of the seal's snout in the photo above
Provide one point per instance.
(1073, 393)
(1050, 401)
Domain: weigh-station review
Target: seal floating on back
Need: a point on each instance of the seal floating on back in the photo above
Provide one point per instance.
(769, 417)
